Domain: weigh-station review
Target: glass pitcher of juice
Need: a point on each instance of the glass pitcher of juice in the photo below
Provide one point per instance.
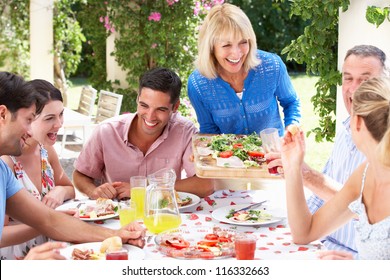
(161, 210)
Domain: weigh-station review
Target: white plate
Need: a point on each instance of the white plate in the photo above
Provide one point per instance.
(221, 213)
(195, 200)
(73, 205)
(134, 252)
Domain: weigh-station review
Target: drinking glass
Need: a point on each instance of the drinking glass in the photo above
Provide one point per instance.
(245, 246)
(137, 193)
(127, 212)
(271, 143)
(118, 255)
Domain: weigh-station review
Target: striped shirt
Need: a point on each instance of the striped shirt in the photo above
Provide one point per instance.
(345, 158)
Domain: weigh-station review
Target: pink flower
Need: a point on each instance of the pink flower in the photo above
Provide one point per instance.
(155, 16)
(171, 2)
(101, 19)
(216, 2)
(153, 46)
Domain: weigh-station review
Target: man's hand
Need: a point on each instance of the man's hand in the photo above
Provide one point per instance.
(133, 234)
(105, 190)
(46, 251)
(122, 190)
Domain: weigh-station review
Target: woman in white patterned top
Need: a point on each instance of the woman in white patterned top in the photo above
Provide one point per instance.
(39, 171)
(366, 193)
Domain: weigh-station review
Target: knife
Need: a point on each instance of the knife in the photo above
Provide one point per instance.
(251, 206)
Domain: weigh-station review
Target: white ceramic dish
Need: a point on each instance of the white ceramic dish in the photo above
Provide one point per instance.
(221, 213)
(134, 252)
(74, 204)
(195, 200)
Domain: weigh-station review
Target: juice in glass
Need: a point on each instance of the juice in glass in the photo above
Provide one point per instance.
(120, 255)
(127, 212)
(245, 246)
(160, 222)
(138, 196)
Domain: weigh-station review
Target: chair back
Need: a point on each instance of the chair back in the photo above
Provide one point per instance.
(87, 101)
(109, 105)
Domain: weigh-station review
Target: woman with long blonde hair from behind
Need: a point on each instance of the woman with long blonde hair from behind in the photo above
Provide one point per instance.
(365, 195)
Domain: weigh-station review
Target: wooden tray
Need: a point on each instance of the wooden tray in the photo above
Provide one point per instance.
(206, 166)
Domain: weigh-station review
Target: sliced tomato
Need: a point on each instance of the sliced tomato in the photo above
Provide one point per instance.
(256, 154)
(84, 217)
(224, 239)
(211, 236)
(208, 243)
(203, 248)
(225, 154)
(179, 245)
(238, 146)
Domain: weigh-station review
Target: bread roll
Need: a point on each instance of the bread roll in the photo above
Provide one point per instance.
(111, 244)
(293, 129)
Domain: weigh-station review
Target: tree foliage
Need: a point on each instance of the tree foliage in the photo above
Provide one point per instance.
(377, 15)
(317, 48)
(14, 36)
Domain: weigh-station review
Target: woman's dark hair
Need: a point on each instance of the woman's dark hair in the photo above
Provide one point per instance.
(46, 88)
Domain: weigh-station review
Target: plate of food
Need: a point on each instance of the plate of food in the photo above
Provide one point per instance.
(98, 250)
(93, 210)
(186, 200)
(197, 243)
(229, 156)
(251, 217)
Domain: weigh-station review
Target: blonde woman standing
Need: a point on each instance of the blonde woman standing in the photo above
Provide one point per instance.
(237, 88)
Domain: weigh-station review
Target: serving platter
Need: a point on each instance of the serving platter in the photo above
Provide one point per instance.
(193, 236)
(208, 166)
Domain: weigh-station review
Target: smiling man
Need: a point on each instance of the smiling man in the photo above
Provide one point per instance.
(155, 137)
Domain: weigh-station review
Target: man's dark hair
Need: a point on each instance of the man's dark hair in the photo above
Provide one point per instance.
(16, 94)
(162, 79)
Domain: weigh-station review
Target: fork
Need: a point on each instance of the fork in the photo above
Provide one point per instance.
(251, 206)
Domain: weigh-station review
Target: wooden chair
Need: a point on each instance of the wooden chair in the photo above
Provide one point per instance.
(86, 107)
(109, 105)
(87, 101)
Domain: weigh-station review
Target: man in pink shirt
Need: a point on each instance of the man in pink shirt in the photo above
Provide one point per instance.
(155, 137)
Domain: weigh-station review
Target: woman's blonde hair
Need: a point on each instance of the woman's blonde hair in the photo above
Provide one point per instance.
(371, 101)
(224, 20)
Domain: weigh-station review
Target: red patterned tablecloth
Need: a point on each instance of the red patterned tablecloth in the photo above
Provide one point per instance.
(274, 240)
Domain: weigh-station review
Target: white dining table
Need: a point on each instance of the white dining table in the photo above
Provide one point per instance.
(74, 118)
(274, 241)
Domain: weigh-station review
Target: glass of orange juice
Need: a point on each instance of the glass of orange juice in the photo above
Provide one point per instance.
(127, 212)
(137, 193)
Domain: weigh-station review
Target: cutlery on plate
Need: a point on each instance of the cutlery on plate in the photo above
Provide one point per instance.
(251, 206)
(78, 205)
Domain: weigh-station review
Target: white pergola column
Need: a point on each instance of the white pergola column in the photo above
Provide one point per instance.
(41, 40)
(114, 71)
(354, 29)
